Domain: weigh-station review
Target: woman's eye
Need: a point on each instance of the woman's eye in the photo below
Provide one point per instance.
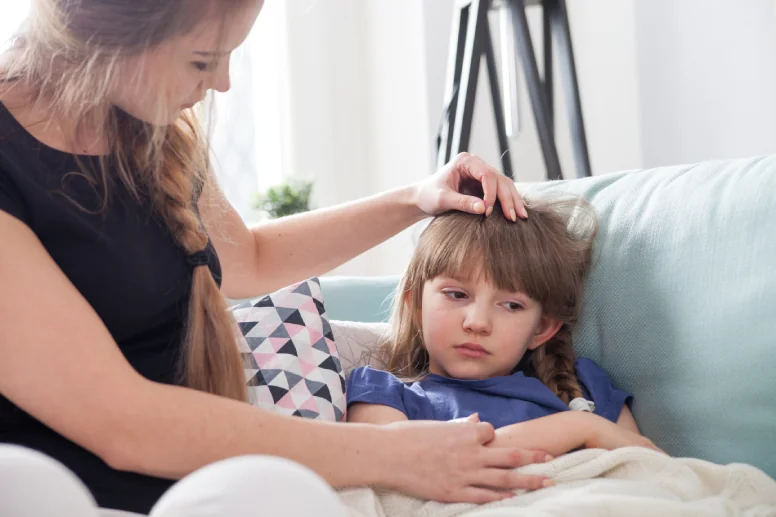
(202, 67)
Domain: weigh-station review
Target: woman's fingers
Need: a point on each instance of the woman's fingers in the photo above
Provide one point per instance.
(502, 479)
(513, 458)
(476, 495)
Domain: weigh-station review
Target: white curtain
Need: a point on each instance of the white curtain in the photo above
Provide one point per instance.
(11, 17)
(247, 139)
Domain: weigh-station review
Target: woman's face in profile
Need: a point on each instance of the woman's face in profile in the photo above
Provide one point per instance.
(157, 85)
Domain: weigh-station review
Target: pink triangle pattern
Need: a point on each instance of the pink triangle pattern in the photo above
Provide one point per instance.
(332, 347)
(266, 318)
(264, 361)
(315, 335)
(287, 402)
(278, 342)
(293, 329)
(309, 306)
(307, 368)
(309, 404)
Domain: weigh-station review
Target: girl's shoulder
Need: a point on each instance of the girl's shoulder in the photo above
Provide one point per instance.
(372, 378)
(599, 387)
(371, 372)
(587, 365)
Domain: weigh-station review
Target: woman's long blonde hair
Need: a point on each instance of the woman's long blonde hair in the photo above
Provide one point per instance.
(546, 257)
(66, 59)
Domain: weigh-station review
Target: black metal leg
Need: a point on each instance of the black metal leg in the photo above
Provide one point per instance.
(501, 128)
(535, 89)
(548, 71)
(562, 34)
(452, 84)
(467, 90)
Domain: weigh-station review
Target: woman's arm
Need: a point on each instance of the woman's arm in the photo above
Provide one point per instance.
(564, 432)
(137, 425)
(374, 414)
(280, 252)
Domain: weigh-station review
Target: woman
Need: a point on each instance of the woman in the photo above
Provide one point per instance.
(116, 354)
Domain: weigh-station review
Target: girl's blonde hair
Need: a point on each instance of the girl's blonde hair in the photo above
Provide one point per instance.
(65, 61)
(546, 257)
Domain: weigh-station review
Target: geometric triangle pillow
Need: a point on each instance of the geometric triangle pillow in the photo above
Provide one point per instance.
(291, 362)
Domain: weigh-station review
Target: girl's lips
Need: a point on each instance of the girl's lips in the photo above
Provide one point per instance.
(472, 350)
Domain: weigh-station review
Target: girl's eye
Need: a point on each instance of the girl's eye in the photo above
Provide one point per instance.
(513, 306)
(455, 295)
(202, 67)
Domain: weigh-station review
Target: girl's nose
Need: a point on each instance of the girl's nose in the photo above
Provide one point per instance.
(478, 320)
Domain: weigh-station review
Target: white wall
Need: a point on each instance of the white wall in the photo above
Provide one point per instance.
(708, 79)
(604, 43)
(367, 83)
(359, 122)
(399, 147)
(661, 82)
(327, 92)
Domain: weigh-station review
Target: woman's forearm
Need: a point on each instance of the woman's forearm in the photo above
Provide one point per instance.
(174, 431)
(556, 434)
(312, 243)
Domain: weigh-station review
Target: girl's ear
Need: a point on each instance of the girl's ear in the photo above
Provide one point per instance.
(544, 331)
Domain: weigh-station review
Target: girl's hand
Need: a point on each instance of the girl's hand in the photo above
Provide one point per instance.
(442, 191)
(604, 434)
(450, 462)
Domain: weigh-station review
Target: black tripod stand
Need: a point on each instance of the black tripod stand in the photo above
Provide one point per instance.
(471, 40)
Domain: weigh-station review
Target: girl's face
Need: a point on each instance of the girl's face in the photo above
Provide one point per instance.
(472, 330)
(157, 85)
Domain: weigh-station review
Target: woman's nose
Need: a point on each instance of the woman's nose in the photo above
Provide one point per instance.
(220, 81)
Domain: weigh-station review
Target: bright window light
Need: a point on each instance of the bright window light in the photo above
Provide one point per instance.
(12, 16)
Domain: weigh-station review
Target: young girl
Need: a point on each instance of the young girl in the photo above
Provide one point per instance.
(481, 329)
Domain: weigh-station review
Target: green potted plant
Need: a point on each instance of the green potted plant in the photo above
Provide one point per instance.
(291, 197)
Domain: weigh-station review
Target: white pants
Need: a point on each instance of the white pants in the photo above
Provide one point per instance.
(35, 485)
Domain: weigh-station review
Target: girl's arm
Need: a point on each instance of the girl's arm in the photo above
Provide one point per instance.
(627, 421)
(564, 432)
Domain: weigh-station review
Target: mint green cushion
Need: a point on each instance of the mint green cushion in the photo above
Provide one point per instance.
(358, 298)
(680, 306)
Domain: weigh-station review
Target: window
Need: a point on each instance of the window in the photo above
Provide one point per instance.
(13, 15)
(247, 139)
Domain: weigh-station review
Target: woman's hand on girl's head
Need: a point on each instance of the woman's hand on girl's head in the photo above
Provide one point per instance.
(451, 463)
(442, 191)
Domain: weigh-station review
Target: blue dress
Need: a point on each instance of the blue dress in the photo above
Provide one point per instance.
(500, 401)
